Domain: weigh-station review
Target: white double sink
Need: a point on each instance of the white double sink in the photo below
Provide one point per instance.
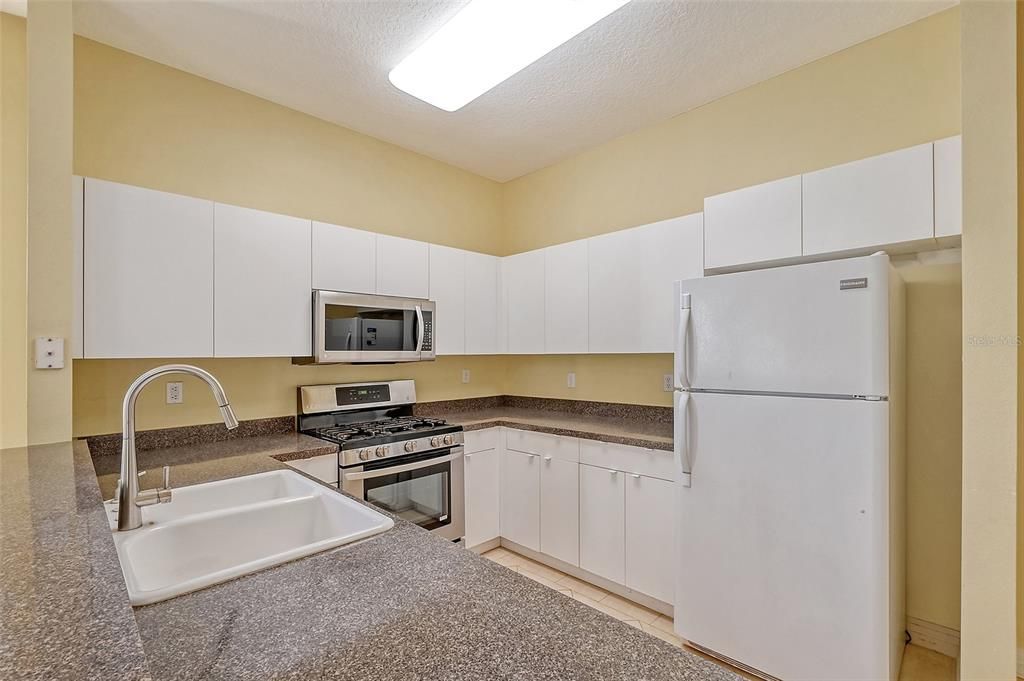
(217, 531)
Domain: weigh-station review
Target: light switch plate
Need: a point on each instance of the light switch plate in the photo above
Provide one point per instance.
(465, 375)
(49, 352)
(570, 380)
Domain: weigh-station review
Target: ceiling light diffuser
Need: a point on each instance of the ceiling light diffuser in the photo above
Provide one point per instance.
(487, 42)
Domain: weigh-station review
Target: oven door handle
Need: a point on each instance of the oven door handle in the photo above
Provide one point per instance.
(390, 470)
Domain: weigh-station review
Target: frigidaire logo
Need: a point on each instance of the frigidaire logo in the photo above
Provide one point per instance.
(847, 284)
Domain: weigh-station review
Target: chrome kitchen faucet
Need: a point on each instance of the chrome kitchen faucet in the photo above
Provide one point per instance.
(129, 499)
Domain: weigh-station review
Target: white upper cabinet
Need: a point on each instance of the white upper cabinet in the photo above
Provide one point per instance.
(523, 284)
(262, 284)
(482, 303)
(402, 267)
(448, 291)
(869, 203)
(148, 273)
(565, 298)
(344, 259)
(948, 187)
(754, 224)
(630, 276)
(77, 266)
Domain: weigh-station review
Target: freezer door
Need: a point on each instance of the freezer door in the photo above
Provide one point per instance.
(783, 535)
(818, 328)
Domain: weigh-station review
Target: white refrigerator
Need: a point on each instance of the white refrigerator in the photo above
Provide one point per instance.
(790, 469)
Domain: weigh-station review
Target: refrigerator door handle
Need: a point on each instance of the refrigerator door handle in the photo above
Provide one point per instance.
(680, 438)
(681, 379)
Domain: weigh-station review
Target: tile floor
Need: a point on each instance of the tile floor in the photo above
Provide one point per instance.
(919, 664)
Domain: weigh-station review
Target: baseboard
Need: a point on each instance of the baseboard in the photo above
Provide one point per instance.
(484, 547)
(573, 571)
(937, 637)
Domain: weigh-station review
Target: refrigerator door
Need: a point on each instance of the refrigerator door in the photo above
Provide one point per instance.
(783, 535)
(821, 328)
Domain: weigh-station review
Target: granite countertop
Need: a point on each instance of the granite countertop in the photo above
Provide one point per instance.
(620, 430)
(402, 605)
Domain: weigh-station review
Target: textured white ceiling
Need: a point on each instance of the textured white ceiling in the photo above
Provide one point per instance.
(645, 63)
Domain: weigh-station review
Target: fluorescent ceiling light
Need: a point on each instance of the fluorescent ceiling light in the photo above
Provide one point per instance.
(489, 41)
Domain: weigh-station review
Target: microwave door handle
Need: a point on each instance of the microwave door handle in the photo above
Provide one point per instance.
(420, 329)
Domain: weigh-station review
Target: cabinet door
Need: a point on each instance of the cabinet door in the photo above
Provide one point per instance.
(631, 276)
(948, 187)
(520, 499)
(560, 509)
(482, 304)
(402, 267)
(344, 259)
(78, 265)
(524, 292)
(650, 536)
(262, 284)
(323, 468)
(148, 273)
(602, 523)
(565, 298)
(753, 224)
(448, 291)
(873, 202)
(483, 495)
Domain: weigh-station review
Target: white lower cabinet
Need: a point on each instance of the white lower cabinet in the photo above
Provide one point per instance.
(602, 523)
(560, 509)
(650, 536)
(520, 498)
(323, 468)
(483, 494)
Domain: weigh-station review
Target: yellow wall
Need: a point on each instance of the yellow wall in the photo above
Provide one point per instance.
(49, 55)
(13, 184)
(146, 124)
(989, 490)
(258, 388)
(894, 91)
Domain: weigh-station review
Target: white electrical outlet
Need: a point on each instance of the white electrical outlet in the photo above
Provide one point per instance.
(175, 392)
(465, 375)
(570, 380)
(666, 383)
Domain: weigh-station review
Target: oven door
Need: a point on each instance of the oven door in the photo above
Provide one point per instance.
(425, 489)
(352, 327)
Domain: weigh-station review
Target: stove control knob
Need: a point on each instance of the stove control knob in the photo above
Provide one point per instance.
(435, 441)
(448, 439)
(410, 446)
(380, 451)
(364, 454)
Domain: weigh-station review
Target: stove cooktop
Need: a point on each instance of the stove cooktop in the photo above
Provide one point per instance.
(383, 431)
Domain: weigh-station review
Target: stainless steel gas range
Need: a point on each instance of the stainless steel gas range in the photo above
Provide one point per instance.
(410, 466)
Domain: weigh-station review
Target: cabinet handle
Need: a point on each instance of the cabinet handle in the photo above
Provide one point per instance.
(547, 458)
(614, 472)
(469, 456)
(636, 476)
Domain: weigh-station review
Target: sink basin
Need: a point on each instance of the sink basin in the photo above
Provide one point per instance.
(217, 531)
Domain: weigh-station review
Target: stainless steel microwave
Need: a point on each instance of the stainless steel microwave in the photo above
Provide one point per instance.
(357, 327)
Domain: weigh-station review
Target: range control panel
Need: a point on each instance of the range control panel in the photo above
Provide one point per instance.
(363, 394)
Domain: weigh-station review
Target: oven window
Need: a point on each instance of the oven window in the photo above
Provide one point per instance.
(422, 496)
(351, 328)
